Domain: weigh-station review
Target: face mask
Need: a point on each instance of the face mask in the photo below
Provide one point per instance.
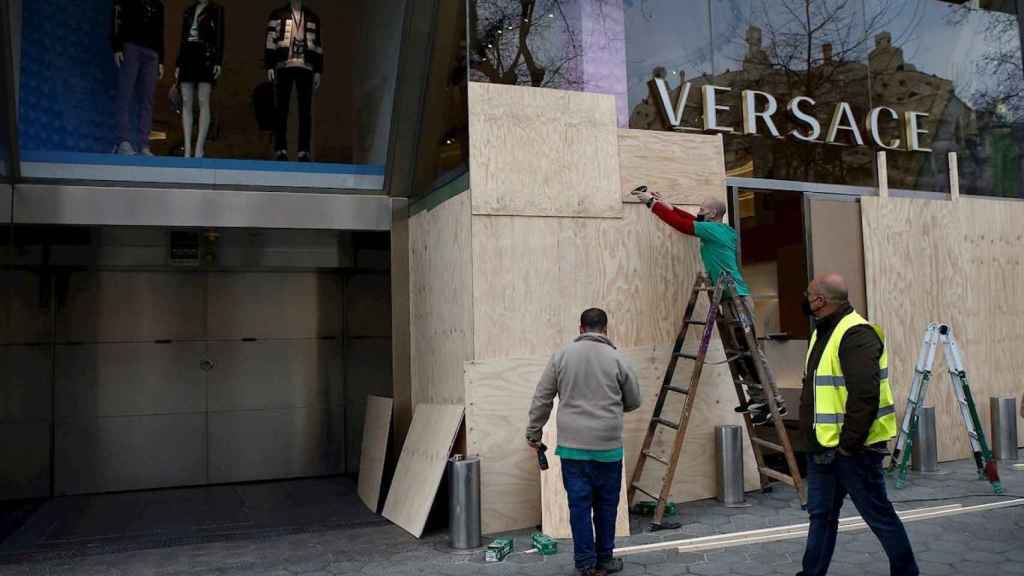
(805, 307)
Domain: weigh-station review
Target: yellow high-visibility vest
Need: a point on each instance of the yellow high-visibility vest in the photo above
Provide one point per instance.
(830, 389)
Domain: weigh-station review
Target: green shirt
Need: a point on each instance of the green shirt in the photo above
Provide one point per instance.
(594, 455)
(718, 251)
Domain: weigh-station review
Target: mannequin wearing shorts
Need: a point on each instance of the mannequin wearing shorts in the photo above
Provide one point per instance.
(200, 57)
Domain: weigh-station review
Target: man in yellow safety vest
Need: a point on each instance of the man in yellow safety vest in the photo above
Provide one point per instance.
(847, 417)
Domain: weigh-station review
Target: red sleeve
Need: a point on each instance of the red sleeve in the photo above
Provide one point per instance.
(679, 219)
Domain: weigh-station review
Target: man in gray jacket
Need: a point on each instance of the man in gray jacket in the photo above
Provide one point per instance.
(595, 386)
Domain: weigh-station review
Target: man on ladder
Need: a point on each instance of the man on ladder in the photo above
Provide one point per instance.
(718, 252)
(847, 414)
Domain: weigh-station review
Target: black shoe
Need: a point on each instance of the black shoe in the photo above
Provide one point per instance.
(281, 156)
(610, 566)
(304, 157)
(759, 418)
(752, 407)
(782, 409)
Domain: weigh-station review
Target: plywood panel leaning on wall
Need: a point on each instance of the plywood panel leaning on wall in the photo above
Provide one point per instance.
(441, 301)
(540, 152)
(376, 427)
(959, 263)
(684, 168)
(421, 465)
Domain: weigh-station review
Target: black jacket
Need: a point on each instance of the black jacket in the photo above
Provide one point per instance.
(279, 39)
(859, 353)
(211, 30)
(139, 22)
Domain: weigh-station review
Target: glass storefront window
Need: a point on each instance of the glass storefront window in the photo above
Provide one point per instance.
(211, 92)
(962, 66)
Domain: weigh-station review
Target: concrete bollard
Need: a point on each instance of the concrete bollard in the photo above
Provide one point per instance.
(729, 448)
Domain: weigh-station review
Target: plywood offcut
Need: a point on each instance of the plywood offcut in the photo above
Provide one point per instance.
(498, 394)
(440, 303)
(540, 152)
(421, 465)
(837, 244)
(959, 263)
(555, 501)
(684, 168)
(376, 428)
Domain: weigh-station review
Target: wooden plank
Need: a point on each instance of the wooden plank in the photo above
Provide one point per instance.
(684, 168)
(837, 244)
(498, 394)
(519, 163)
(376, 427)
(400, 330)
(441, 305)
(929, 261)
(421, 465)
(555, 501)
(883, 174)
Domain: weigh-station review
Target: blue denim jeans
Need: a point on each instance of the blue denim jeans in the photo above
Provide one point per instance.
(860, 476)
(593, 489)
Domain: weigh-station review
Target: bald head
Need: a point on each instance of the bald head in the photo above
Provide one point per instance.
(713, 210)
(826, 294)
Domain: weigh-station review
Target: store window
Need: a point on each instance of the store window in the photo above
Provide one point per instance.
(961, 65)
(290, 93)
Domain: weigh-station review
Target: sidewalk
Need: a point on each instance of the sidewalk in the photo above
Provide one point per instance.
(977, 543)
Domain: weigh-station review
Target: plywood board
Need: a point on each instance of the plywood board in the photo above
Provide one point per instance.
(684, 168)
(555, 501)
(376, 427)
(540, 152)
(958, 263)
(400, 329)
(440, 303)
(498, 394)
(837, 244)
(422, 465)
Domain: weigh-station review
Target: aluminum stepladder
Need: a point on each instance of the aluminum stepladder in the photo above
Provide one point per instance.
(747, 368)
(934, 335)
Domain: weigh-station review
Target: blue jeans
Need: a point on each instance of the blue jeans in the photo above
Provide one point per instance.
(136, 84)
(860, 476)
(593, 489)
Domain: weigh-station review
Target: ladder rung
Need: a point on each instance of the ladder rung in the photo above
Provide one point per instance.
(687, 356)
(668, 423)
(697, 322)
(645, 492)
(767, 444)
(676, 389)
(655, 457)
(772, 473)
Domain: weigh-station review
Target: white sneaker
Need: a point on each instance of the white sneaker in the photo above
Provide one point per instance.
(125, 149)
(200, 154)
(146, 151)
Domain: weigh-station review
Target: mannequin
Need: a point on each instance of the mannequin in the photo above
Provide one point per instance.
(138, 43)
(294, 56)
(200, 58)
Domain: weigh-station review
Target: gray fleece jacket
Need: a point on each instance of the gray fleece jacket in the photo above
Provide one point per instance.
(595, 385)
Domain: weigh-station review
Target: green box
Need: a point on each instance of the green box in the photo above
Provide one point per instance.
(498, 549)
(544, 544)
(647, 508)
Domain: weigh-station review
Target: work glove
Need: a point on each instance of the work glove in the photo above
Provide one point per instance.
(641, 194)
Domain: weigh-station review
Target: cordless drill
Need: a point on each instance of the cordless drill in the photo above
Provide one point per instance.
(542, 458)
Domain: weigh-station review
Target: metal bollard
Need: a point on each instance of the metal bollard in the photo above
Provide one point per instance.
(729, 448)
(924, 454)
(1004, 427)
(464, 502)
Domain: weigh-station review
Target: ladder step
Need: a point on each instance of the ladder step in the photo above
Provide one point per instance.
(645, 492)
(767, 444)
(697, 322)
(668, 423)
(772, 473)
(676, 389)
(655, 457)
(685, 355)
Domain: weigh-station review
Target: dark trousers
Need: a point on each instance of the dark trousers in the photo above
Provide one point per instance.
(136, 84)
(593, 489)
(860, 476)
(303, 81)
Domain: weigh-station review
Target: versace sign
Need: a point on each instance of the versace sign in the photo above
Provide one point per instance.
(759, 109)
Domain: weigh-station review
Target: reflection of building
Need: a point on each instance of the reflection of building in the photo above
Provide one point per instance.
(885, 79)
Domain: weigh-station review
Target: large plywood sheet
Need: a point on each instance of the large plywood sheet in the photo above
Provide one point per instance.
(837, 244)
(421, 465)
(684, 168)
(440, 301)
(540, 152)
(555, 501)
(376, 427)
(498, 394)
(958, 263)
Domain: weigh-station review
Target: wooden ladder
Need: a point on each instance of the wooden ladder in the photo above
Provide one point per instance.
(748, 369)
